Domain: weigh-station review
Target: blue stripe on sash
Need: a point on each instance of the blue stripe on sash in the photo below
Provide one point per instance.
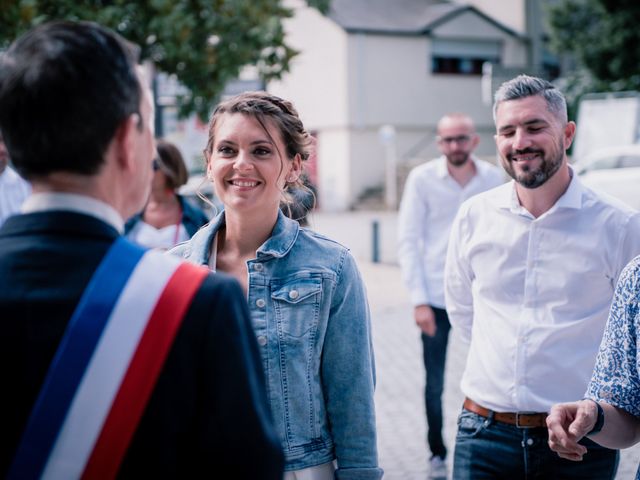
(72, 357)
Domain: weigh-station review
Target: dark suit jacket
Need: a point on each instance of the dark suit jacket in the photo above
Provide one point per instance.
(208, 412)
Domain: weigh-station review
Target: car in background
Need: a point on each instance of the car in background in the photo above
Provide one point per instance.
(613, 170)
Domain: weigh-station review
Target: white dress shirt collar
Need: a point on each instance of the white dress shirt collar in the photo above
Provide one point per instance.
(442, 168)
(13, 192)
(571, 198)
(48, 201)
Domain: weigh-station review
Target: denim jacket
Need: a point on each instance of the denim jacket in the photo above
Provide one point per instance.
(311, 318)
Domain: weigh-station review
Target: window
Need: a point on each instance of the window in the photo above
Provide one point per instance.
(463, 57)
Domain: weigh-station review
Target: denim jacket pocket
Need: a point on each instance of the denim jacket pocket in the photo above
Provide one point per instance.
(297, 303)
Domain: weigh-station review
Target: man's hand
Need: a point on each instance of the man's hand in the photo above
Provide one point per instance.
(425, 319)
(567, 424)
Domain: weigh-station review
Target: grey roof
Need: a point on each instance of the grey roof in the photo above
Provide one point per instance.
(400, 17)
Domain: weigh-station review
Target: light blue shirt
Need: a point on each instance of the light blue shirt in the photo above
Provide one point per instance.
(311, 318)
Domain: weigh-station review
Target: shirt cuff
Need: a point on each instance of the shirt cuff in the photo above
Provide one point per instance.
(418, 298)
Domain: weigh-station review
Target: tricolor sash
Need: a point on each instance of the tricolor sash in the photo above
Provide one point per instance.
(106, 366)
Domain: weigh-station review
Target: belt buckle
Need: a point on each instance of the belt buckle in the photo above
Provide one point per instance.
(518, 419)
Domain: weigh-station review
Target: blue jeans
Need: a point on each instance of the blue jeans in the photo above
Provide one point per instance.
(487, 449)
(434, 353)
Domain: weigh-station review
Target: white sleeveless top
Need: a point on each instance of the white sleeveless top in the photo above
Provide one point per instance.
(162, 238)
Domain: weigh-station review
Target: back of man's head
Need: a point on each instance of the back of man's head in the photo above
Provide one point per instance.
(65, 88)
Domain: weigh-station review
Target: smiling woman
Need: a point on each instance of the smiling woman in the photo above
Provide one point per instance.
(247, 164)
(307, 300)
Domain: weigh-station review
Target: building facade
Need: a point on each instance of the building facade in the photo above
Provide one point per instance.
(373, 64)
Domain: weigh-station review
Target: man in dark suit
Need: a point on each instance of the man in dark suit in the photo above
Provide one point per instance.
(77, 119)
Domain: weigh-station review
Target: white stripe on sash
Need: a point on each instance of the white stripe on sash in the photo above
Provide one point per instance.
(108, 365)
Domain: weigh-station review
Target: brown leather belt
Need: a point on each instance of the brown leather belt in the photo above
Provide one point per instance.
(519, 419)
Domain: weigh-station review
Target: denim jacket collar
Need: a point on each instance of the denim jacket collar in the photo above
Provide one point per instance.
(284, 235)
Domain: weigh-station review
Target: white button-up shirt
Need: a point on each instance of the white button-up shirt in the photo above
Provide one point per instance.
(47, 201)
(429, 204)
(532, 294)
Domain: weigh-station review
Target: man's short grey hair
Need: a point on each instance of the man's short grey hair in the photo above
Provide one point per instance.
(525, 86)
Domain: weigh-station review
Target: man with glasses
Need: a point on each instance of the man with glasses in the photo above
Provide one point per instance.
(432, 194)
(529, 277)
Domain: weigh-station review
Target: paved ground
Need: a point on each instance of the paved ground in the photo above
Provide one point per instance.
(399, 401)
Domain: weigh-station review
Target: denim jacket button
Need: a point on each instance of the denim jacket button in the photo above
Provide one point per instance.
(260, 303)
(293, 294)
(258, 267)
(262, 340)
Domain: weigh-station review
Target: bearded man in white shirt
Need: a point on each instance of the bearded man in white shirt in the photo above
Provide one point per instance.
(432, 194)
(529, 277)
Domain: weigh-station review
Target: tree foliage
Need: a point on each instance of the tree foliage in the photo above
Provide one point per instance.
(205, 43)
(604, 38)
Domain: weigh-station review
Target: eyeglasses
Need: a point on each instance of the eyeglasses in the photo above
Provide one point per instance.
(460, 139)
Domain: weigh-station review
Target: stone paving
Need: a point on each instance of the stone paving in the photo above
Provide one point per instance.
(400, 375)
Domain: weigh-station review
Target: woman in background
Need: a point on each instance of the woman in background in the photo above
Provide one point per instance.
(167, 218)
(308, 303)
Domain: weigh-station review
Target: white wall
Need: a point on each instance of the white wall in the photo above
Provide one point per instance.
(334, 169)
(386, 78)
(316, 83)
(386, 75)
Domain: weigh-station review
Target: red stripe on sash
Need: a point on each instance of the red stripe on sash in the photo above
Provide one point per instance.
(142, 374)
